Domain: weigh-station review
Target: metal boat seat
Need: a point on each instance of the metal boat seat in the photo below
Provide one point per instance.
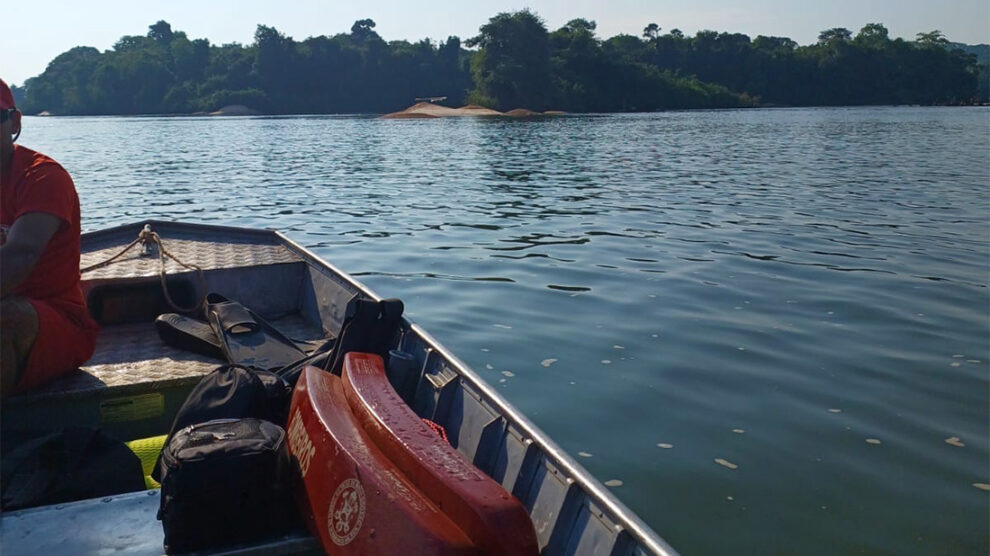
(134, 383)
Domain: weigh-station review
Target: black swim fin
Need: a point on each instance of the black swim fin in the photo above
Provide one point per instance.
(246, 338)
(188, 334)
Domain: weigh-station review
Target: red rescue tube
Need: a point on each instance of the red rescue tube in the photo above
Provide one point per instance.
(353, 498)
(494, 520)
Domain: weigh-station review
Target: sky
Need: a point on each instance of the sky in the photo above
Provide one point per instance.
(36, 31)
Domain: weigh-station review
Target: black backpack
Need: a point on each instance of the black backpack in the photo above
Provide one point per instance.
(225, 482)
(75, 463)
(232, 392)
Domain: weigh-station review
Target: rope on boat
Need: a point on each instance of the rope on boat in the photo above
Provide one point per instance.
(147, 238)
(437, 428)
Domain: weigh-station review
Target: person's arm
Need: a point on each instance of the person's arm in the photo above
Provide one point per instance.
(26, 240)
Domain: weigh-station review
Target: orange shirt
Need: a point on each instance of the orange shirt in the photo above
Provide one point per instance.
(35, 183)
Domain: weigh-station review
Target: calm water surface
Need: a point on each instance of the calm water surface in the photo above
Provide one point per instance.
(766, 329)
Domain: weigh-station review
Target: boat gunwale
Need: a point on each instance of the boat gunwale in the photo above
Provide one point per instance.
(104, 233)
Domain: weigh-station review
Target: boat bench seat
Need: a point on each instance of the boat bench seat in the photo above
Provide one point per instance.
(132, 386)
(123, 525)
(134, 383)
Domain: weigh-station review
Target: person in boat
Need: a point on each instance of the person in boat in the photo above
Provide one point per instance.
(45, 329)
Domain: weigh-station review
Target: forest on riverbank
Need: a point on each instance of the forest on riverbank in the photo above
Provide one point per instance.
(514, 61)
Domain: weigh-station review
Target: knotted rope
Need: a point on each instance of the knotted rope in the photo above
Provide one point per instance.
(147, 238)
(437, 428)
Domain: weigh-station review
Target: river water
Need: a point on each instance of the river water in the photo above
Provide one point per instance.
(765, 330)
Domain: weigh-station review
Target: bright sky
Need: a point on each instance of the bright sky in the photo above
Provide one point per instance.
(35, 31)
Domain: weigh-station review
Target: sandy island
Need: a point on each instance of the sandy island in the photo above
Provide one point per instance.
(430, 110)
(235, 110)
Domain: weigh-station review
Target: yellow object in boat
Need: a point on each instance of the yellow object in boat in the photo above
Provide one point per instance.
(147, 450)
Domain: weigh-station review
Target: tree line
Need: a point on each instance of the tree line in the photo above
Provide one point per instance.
(514, 61)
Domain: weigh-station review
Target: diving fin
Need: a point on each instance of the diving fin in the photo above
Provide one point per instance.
(246, 338)
(188, 334)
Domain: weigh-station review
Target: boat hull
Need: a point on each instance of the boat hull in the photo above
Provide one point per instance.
(134, 384)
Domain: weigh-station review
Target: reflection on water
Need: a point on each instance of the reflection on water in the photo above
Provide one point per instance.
(769, 324)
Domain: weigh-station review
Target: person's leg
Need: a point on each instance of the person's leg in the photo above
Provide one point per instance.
(18, 330)
(61, 344)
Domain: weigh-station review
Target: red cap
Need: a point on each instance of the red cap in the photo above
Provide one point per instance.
(6, 97)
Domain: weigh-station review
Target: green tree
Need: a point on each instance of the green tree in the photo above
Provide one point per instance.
(833, 35)
(577, 66)
(932, 39)
(189, 58)
(133, 42)
(512, 66)
(364, 30)
(873, 35)
(517, 64)
(774, 45)
(161, 32)
(651, 32)
(274, 63)
(63, 87)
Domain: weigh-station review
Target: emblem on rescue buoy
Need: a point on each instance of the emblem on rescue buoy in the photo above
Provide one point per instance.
(346, 513)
